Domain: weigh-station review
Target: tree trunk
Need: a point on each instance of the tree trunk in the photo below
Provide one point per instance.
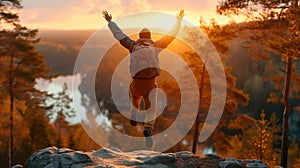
(197, 123)
(196, 134)
(261, 143)
(11, 95)
(59, 130)
(284, 145)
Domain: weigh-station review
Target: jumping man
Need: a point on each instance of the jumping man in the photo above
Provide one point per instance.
(144, 68)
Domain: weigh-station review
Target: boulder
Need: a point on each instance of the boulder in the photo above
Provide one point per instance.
(53, 157)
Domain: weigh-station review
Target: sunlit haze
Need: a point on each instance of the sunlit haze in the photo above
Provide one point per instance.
(76, 14)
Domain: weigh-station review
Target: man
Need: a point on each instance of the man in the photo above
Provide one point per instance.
(143, 78)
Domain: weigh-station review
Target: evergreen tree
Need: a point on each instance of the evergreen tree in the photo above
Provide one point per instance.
(21, 65)
(297, 165)
(41, 131)
(60, 109)
(220, 37)
(61, 125)
(81, 140)
(293, 153)
(261, 141)
(275, 25)
(20, 131)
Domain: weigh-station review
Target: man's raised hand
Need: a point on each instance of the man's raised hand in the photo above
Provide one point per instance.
(181, 14)
(107, 16)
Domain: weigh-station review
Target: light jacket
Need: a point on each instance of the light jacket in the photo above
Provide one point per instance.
(128, 43)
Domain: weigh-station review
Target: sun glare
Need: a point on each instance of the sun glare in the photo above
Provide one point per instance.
(95, 21)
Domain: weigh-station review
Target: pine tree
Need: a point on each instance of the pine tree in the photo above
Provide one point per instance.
(41, 131)
(61, 125)
(275, 25)
(297, 165)
(20, 131)
(21, 65)
(260, 141)
(60, 109)
(220, 37)
(81, 140)
(293, 153)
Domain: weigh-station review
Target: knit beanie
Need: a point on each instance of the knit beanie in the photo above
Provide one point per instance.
(145, 33)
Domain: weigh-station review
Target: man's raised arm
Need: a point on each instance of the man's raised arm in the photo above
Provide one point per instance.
(166, 40)
(118, 33)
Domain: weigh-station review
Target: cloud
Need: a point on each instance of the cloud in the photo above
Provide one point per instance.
(76, 14)
(187, 5)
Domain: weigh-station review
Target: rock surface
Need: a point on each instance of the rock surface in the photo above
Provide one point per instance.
(234, 163)
(53, 157)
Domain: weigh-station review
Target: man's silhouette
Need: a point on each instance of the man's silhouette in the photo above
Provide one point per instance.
(142, 84)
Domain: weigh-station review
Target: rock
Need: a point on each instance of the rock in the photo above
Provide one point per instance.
(52, 165)
(256, 165)
(165, 159)
(106, 153)
(81, 157)
(214, 156)
(184, 154)
(53, 157)
(234, 163)
(64, 150)
(230, 163)
(65, 159)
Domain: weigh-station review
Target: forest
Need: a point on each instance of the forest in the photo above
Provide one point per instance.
(261, 117)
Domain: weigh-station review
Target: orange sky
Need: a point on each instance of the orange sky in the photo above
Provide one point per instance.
(79, 14)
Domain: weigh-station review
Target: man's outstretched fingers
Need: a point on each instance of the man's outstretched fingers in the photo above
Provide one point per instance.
(181, 14)
(107, 16)
(104, 13)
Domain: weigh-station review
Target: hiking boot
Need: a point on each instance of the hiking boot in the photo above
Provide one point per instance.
(148, 137)
(133, 118)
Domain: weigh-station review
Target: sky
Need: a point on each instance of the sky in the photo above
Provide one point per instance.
(85, 14)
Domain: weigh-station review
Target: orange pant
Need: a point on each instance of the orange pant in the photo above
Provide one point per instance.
(140, 88)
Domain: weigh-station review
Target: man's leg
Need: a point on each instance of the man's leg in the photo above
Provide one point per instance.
(151, 107)
(135, 101)
(139, 89)
(135, 106)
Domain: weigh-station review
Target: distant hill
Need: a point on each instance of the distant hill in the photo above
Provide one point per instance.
(61, 48)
